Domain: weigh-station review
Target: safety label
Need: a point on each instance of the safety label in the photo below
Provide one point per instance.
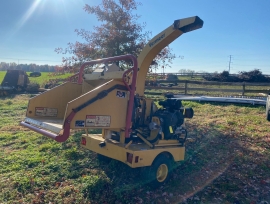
(48, 112)
(121, 94)
(98, 121)
(79, 123)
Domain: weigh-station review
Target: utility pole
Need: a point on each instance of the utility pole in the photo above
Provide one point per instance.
(230, 63)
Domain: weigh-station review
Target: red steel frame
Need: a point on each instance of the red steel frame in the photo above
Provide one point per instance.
(131, 88)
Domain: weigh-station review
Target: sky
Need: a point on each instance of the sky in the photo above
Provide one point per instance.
(30, 30)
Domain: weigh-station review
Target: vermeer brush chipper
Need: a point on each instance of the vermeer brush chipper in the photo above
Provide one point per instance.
(134, 130)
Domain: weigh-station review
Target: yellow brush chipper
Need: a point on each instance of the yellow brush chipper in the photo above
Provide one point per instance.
(134, 130)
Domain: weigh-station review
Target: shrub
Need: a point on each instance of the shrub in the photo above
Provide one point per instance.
(253, 76)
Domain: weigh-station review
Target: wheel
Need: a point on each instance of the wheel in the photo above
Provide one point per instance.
(159, 172)
(162, 173)
(267, 108)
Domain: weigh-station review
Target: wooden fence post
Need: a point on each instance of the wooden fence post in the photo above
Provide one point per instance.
(244, 87)
(186, 87)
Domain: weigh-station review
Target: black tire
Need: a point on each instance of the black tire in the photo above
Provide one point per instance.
(267, 109)
(157, 174)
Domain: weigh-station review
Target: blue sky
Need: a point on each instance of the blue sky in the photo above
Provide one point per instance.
(30, 30)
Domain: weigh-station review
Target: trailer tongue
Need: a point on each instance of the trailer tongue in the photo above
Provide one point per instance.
(134, 130)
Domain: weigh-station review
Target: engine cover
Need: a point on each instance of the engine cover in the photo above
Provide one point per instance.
(169, 121)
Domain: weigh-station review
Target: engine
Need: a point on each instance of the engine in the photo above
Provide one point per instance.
(167, 121)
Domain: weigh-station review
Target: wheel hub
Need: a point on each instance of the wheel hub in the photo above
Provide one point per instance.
(162, 172)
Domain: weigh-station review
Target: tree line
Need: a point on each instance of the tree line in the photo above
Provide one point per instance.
(30, 67)
(244, 76)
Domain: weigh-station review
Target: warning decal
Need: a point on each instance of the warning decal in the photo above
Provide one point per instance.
(121, 94)
(79, 123)
(98, 121)
(49, 112)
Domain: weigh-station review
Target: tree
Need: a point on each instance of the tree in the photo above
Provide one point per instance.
(118, 34)
(252, 76)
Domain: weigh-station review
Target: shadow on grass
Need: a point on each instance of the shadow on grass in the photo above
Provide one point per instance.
(217, 167)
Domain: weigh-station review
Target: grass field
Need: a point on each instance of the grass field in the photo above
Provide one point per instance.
(45, 76)
(218, 92)
(227, 161)
(213, 93)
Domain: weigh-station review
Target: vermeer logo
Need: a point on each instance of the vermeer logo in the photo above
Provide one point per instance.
(157, 40)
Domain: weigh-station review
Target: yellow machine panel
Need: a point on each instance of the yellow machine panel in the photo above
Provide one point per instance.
(52, 103)
(107, 111)
(142, 155)
(160, 41)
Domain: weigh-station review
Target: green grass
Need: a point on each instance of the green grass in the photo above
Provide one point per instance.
(227, 163)
(194, 78)
(44, 78)
(2, 75)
